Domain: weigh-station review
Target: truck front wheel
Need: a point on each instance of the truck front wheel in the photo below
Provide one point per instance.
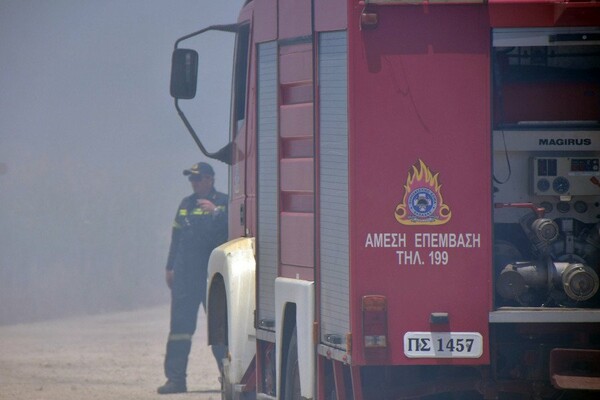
(226, 385)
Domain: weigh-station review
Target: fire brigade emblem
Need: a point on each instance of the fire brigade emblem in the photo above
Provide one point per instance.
(422, 203)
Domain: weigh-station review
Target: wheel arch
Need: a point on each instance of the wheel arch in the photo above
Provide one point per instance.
(230, 303)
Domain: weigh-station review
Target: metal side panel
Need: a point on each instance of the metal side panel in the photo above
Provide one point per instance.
(333, 200)
(268, 235)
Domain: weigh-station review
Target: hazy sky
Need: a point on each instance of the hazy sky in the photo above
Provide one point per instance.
(95, 73)
(86, 120)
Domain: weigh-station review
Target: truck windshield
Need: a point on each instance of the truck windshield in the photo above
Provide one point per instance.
(553, 85)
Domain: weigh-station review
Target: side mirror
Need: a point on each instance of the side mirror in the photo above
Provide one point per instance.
(184, 73)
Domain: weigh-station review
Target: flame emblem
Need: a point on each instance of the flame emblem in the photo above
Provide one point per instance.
(422, 203)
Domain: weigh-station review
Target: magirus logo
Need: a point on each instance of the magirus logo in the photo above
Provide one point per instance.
(565, 142)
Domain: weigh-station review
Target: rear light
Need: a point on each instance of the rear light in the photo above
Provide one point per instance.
(374, 325)
(375, 341)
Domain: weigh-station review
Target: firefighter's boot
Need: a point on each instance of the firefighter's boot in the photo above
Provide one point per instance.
(172, 387)
(176, 360)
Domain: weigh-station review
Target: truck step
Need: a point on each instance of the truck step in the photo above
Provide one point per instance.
(575, 369)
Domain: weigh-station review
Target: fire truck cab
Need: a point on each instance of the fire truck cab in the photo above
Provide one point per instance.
(414, 200)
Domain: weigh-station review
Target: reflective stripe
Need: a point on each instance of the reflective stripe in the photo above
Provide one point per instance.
(183, 212)
(199, 211)
(173, 337)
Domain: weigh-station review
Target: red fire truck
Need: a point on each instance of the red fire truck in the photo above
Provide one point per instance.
(414, 200)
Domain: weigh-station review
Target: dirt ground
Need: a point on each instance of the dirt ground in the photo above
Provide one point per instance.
(110, 356)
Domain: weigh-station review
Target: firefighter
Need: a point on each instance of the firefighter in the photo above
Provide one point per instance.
(200, 225)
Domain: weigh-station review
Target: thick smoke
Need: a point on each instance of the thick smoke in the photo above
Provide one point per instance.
(91, 148)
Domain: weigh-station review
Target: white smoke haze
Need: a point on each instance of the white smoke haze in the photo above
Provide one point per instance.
(92, 150)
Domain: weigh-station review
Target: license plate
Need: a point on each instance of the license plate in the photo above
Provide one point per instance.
(443, 345)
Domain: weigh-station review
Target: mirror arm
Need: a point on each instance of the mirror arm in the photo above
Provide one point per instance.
(223, 155)
(225, 28)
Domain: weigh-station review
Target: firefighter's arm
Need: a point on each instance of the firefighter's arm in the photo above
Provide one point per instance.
(169, 273)
(175, 235)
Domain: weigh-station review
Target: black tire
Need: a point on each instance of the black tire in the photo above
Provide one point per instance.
(292, 370)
